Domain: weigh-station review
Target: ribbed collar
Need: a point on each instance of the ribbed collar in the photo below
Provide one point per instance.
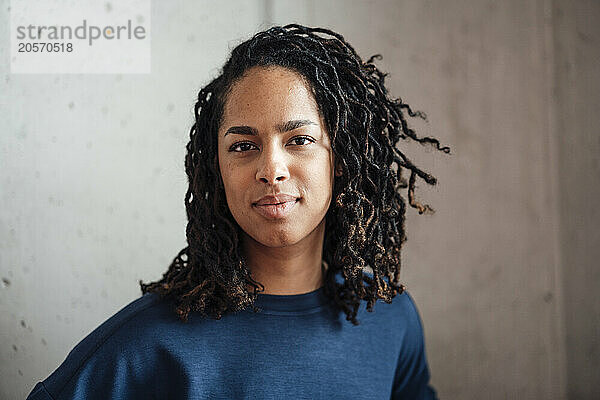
(292, 302)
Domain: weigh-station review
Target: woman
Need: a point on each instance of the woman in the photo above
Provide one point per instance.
(295, 222)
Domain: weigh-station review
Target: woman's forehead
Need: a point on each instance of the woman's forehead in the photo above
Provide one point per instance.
(270, 91)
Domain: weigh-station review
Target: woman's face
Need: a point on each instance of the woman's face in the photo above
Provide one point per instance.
(272, 142)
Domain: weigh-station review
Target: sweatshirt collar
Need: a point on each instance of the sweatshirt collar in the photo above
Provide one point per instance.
(292, 302)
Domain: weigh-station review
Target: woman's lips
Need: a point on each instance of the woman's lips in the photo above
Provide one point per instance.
(276, 211)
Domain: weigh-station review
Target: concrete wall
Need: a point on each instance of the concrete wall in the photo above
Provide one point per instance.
(92, 183)
(577, 122)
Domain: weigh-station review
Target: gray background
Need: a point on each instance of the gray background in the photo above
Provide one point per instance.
(504, 274)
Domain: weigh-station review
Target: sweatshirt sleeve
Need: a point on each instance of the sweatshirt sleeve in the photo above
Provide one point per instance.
(39, 392)
(412, 372)
(97, 368)
(109, 363)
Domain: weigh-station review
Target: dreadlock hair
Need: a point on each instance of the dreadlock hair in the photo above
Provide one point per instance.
(365, 223)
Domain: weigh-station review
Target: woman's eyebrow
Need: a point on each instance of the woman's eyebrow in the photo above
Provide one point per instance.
(285, 127)
(242, 130)
(291, 125)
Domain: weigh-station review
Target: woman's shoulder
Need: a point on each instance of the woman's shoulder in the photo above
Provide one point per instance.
(402, 306)
(140, 313)
(121, 337)
(401, 314)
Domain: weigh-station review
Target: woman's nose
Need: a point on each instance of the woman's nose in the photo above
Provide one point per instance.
(272, 166)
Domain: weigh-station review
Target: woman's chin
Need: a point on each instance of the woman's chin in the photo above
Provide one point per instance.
(277, 237)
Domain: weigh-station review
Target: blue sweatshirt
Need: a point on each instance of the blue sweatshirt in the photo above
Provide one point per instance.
(297, 347)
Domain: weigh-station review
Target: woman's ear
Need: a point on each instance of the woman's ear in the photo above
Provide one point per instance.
(339, 171)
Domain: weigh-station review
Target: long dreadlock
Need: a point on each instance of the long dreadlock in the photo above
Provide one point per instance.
(365, 223)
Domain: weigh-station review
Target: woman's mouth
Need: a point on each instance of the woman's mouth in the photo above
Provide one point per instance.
(276, 210)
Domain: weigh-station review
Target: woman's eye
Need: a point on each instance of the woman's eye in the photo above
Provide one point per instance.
(244, 146)
(298, 140)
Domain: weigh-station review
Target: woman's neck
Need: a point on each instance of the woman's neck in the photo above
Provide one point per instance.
(294, 269)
